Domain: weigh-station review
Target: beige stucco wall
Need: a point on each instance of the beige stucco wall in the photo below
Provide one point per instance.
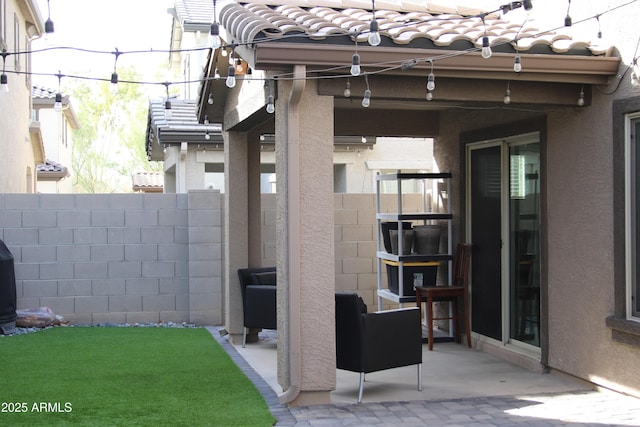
(578, 170)
(17, 164)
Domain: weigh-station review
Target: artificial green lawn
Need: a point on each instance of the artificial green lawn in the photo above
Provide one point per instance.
(135, 376)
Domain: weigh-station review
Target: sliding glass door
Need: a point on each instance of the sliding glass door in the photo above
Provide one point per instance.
(503, 190)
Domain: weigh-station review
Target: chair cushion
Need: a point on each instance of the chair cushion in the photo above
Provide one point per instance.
(264, 278)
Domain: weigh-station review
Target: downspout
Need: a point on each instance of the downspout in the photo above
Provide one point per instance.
(293, 207)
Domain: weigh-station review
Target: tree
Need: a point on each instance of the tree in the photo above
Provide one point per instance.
(109, 147)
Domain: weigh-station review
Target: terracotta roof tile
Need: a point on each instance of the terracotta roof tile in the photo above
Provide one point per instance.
(402, 22)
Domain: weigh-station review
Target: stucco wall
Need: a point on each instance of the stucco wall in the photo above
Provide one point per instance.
(17, 164)
(577, 227)
(117, 258)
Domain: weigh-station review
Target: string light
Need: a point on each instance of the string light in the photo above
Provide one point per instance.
(57, 106)
(366, 99)
(114, 75)
(214, 31)
(207, 136)
(48, 26)
(507, 94)
(355, 61)
(355, 64)
(517, 64)
(347, 89)
(431, 79)
(4, 83)
(231, 77)
(167, 104)
(271, 108)
(486, 47)
(374, 35)
(567, 19)
(210, 99)
(4, 80)
(581, 97)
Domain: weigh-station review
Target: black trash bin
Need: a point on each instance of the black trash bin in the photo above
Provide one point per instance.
(7, 291)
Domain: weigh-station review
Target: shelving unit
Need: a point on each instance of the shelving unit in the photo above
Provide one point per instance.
(400, 259)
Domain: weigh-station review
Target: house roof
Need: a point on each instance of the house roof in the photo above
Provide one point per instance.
(400, 23)
(45, 98)
(51, 170)
(194, 15)
(272, 34)
(148, 182)
(182, 126)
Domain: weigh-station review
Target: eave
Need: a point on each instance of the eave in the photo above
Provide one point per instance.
(536, 67)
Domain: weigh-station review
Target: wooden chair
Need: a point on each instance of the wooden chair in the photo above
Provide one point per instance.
(458, 289)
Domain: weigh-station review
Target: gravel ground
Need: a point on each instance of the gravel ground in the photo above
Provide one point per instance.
(22, 331)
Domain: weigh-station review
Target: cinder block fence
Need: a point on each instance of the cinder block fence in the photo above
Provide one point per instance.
(117, 257)
(155, 257)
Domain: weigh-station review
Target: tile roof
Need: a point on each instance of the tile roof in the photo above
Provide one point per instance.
(401, 23)
(148, 181)
(51, 169)
(194, 15)
(40, 92)
(182, 126)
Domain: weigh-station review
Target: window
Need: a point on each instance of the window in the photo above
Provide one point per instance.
(16, 40)
(632, 220)
(3, 23)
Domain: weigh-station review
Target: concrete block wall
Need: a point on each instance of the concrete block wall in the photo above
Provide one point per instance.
(117, 257)
(355, 231)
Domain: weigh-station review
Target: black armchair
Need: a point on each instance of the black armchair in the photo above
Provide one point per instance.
(258, 287)
(369, 342)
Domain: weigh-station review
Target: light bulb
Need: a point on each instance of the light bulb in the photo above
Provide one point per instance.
(355, 65)
(214, 36)
(239, 67)
(581, 99)
(429, 95)
(567, 21)
(58, 104)
(431, 82)
(48, 32)
(517, 65)
(216, 74)
(207, 136)
(210, 99)
(347, 89)
(486, 49)
(270, 107)
(374, 35)
(4, 83)
(507, 96)
(231, 77)
(366, 100)
(167, 109)
(634, 80)
(206, 120)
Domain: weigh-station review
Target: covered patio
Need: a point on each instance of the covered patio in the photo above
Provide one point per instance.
(288, 76)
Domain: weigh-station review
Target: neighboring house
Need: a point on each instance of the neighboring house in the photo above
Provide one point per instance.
(199, 163)
(543, 159)
(148, 182)
(21, 144)
(56, 128)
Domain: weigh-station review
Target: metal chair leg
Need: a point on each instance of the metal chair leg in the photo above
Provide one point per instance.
(244, 336)
(419, 376)
(361, 387)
